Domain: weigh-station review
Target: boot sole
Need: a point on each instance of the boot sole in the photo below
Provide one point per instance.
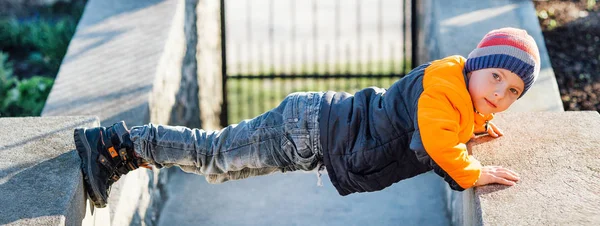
(85, 153)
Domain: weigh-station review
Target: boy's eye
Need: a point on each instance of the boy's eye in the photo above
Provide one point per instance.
(496, 76)
(514, 91)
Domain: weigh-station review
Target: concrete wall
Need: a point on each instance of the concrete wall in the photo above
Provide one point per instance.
(40, 178)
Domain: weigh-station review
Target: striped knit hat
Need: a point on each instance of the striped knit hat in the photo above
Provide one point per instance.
(508, 48)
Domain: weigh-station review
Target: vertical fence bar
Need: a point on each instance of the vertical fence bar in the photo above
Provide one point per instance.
(338, 49)
(404, 40)
(223, 115)
(304, 64)
(292, 45)
(281, 71)
(296, 67)
(247, 96)
(359, 66)
(358, 38)
(380, 35)
(337, 38)
(348, 64)
(393, 64)
(370, 64)
(271, 38)
(327, 70)
(413, 34)
(259, 83)
(316, 70)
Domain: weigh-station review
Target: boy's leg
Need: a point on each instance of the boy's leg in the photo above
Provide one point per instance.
(283, 139)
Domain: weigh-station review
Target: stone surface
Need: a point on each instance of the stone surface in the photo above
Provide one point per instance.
(556, 156)
(40, 178)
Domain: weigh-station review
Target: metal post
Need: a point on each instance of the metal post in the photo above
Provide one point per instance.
(413, 32)
(223, 116)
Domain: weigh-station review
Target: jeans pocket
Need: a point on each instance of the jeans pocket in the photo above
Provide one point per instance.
(375, 181)
(300, 151)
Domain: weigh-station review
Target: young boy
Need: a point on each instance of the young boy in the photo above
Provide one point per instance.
(366, 141)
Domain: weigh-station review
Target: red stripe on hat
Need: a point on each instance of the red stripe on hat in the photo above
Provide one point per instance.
(509, 39)
(505, 40)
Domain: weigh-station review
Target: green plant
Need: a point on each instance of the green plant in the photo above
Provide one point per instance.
(37, 44)
(24, 97)
(44, 43)
(28, 96)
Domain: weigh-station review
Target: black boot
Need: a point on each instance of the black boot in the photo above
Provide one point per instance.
(106, 154)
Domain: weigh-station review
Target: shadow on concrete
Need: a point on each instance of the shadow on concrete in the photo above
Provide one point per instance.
(115, 8)
(480, 139)
(490, 188)
(109, 97)
(186, 110)
(38, 137)
(100, 39)
(132, 115)
(39, 192)
(109, 9)
(7, 173)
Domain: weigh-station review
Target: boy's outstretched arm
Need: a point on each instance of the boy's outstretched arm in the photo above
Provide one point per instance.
(497, 174)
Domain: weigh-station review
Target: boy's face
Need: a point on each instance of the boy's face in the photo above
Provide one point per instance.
(494, 89)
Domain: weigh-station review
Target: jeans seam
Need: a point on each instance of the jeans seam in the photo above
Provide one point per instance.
(206, 154)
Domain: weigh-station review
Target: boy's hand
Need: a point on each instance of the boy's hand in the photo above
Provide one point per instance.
(497, 174)
(493, 130)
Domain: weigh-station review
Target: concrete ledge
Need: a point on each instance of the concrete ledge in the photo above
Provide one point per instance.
(40, 178)
(556, 155)
(124, 63)
(456, 27)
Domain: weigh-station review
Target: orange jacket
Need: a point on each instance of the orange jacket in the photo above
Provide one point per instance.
(446, 120)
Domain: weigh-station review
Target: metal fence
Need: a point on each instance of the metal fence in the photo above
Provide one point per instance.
(272, 48)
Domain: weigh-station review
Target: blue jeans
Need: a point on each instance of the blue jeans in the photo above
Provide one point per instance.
(283, 139)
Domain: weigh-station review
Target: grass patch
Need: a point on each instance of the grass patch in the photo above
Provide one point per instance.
(248, 98)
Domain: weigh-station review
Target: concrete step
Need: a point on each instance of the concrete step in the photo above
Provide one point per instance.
(295, 199)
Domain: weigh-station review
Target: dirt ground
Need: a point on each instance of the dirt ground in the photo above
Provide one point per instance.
(571, 30)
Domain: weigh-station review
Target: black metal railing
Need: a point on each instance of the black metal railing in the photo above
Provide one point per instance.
(322, 45)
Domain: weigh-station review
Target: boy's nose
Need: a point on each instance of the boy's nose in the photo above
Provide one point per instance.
(499, 94)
